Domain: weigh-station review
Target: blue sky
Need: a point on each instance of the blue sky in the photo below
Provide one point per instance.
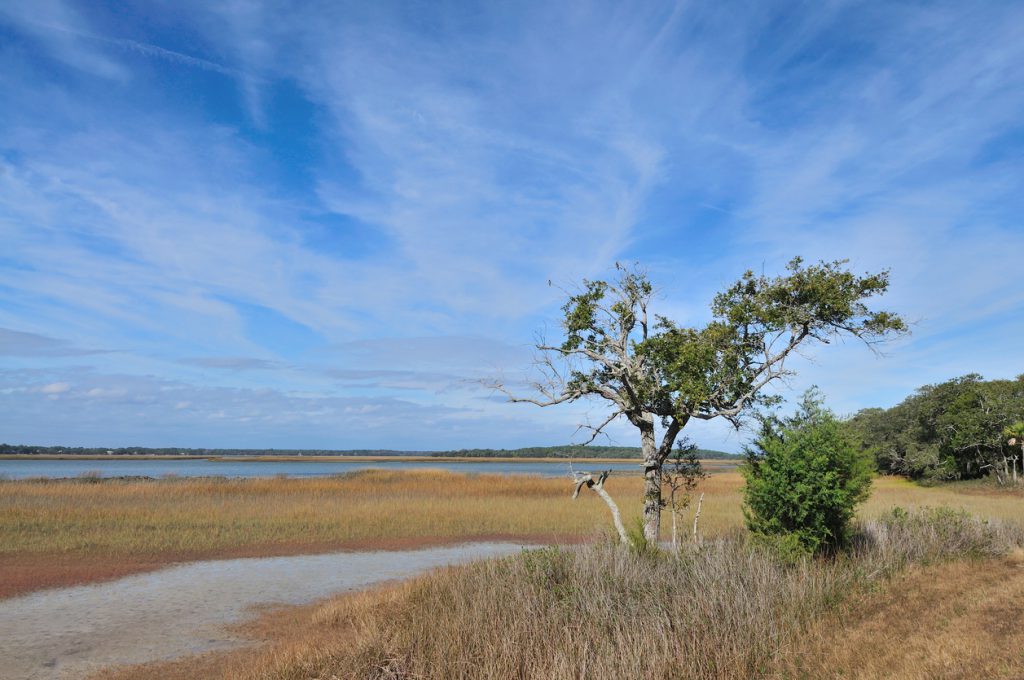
(260, 225)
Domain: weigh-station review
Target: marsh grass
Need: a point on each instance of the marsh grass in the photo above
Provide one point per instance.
(721, 609)
(116, 517)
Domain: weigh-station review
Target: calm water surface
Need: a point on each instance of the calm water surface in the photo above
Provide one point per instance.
(22, 468)
(68, 633)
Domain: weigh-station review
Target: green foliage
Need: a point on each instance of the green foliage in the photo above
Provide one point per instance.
(787, 547)
(639, 544)
(682, 473)
(648, 368)
(805, 475)
(717, 370)
(684, 469)
(953, 430)
(707, 370)
(1015, 430)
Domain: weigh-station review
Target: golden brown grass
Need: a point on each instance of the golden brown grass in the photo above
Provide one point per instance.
(955, 620)
(722, 504)
(66, 531)
(122, 517)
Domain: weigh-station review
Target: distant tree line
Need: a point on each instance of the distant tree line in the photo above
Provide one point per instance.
(959, 429)
(22, 449)
(568, 451)
(571, 451)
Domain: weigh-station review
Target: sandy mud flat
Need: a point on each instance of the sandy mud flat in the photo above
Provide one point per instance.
(70, 632)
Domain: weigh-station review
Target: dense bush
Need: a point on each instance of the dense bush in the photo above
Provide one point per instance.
(805, 475)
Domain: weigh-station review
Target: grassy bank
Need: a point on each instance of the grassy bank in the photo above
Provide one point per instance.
(724, 609)
(66, 531)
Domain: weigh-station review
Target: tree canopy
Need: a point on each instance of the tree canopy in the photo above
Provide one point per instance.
(651, 369)
(952, 430)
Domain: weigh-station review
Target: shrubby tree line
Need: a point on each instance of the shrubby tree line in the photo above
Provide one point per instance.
(958, 429)
(28, 449)
(567, 451)
(570, 451)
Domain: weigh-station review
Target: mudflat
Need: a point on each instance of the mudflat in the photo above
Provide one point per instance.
(71, 632)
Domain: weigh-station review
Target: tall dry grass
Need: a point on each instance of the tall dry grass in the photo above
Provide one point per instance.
(117, 517)
(723, 609)
(204, 516)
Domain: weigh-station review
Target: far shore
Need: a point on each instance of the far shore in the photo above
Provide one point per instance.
(713, 462)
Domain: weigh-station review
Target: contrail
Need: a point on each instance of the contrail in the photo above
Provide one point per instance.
(150, 50)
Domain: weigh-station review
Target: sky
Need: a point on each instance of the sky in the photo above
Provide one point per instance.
(326, 225)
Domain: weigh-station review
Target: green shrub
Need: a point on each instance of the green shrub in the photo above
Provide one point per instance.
(639, 544)
(804, 475)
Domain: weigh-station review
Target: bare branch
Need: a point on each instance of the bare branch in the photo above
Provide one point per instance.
(587, 479)
(596, 431)
(772, 369)
(582, 351)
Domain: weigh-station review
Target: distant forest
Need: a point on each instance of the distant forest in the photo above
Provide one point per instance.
(530, 452)
(953, 430)
(571, 451)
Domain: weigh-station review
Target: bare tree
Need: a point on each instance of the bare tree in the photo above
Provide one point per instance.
(681, 474)
(651, 371)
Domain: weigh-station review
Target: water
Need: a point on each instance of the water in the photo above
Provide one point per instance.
(119, 467)
(181, 610)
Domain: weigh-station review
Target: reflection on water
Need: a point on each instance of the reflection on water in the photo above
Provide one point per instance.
(69, 632)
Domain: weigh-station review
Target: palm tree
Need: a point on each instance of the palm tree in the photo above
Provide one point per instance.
(1015, 437)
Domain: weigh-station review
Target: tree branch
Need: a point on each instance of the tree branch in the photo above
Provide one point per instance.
(596, 431)
(587, 479)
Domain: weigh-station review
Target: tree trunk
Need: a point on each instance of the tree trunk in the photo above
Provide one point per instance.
(652, 479)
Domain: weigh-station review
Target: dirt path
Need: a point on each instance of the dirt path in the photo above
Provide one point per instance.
(70, 632)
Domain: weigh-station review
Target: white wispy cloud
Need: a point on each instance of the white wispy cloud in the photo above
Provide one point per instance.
(461, 159)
